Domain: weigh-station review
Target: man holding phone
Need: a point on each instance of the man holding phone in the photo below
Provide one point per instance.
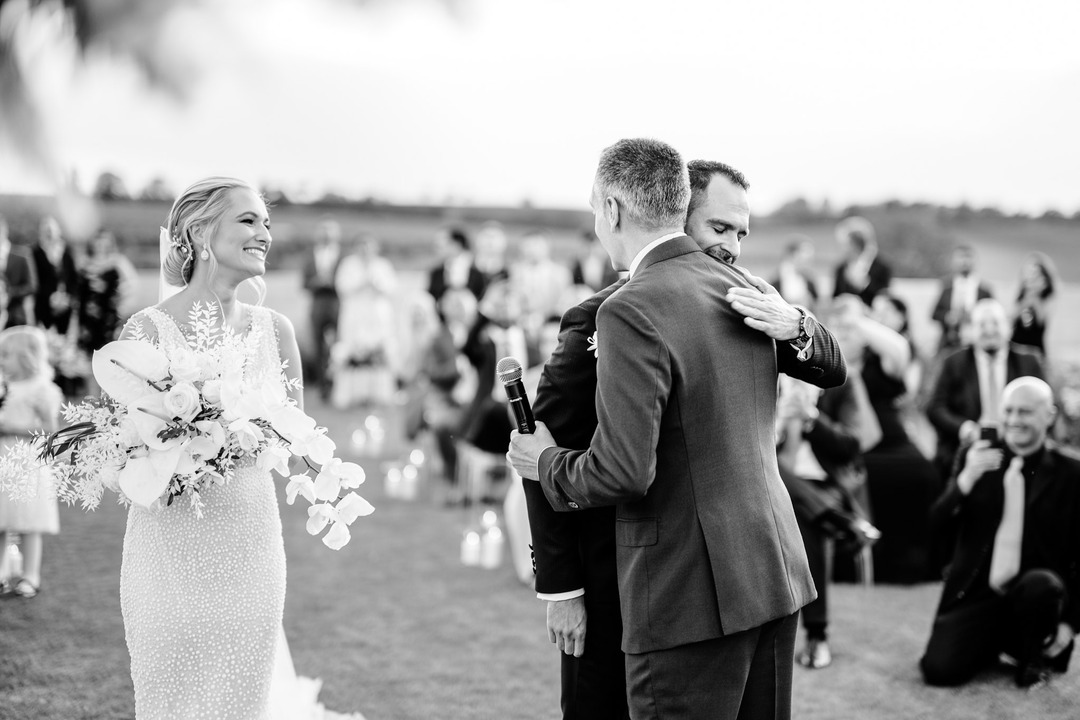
(1013, 583)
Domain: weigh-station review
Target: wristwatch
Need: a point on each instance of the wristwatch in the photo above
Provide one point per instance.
(804, 343)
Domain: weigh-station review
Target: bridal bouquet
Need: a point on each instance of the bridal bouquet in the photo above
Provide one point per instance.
(167, 427)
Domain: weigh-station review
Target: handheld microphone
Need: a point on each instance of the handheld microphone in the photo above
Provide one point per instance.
(509, 372)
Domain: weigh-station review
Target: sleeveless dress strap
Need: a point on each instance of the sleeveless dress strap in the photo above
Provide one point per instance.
(168, 332)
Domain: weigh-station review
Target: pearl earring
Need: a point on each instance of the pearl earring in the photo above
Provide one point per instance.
(204, 255)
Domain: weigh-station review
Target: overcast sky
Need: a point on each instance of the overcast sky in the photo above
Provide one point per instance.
(495, 101)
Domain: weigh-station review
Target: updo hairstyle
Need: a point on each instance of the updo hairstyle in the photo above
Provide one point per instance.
(196, 212)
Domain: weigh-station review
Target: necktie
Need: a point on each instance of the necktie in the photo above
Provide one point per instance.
(993, 389)
(1005, 562)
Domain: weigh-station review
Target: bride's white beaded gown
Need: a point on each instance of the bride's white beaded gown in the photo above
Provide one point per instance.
(202, 598)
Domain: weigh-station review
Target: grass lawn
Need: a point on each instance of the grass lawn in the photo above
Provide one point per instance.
(397, 628)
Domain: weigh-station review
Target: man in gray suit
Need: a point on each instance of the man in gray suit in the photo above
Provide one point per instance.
(712, 570)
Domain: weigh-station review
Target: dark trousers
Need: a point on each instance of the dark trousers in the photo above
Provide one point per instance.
(594, 685)
(324, 319)
(744, 676)
(969, 637)
(815, 616)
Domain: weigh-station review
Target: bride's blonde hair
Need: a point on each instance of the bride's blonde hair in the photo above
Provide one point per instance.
(197, 212)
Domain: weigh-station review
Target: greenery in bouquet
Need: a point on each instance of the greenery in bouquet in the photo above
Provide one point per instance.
(168, 427)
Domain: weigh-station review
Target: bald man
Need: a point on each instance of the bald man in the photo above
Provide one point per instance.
(967, 393)
(1013, 583)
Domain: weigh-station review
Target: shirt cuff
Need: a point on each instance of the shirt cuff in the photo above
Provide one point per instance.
(803, 354)
(556, 597)
(540, 455)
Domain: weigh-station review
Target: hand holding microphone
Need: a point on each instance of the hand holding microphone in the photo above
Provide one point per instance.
(531, 437)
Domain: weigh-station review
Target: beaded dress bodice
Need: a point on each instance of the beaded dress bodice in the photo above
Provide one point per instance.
(202, 598)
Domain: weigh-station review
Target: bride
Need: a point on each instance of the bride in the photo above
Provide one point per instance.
(202, 598)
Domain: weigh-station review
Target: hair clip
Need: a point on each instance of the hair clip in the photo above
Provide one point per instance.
(174, 241)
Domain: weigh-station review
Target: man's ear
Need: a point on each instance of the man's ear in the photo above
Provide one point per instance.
(612, 212)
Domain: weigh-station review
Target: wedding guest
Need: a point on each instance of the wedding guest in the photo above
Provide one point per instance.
(319, 273)
(592, 267)
(901, 482)
(365, 354)
(967, 391)
(820, 440)
(457, 268)
(1012, 584)
(101, 282)
(861, 272)
(448, 383)
(490, 255)
(794, 279)
(539, 281)
(31, 404)
(57, 278)
(960, 290)
(20, 280)
(496, 334)
(1038, 282)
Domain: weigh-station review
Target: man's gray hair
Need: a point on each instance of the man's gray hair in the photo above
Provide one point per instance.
(649, 180)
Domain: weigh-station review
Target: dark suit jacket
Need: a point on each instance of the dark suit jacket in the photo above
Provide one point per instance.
(51, 279)
(880, 275)
(21, 279)
(707, 542)
(950, 333)
(956, 393)
(313, 283)
(437, 285)
(1051, 537)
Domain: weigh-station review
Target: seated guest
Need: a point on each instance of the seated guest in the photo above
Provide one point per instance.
(593, 267)
(456, 268)
(1013, 584)
(968, 388)
(820, 439)
(903, 483)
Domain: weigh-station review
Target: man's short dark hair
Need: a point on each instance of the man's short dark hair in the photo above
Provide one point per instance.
(648, 179)
(701, 174)
(458, 235)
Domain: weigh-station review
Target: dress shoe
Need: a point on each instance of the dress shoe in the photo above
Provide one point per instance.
(816, 655)
(1031, 674)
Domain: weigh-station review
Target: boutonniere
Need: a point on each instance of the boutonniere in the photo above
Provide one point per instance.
(593, 348)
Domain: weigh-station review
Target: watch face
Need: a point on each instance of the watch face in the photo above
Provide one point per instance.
(809, 326)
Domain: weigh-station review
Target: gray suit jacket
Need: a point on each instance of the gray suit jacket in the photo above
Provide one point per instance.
(707, 539)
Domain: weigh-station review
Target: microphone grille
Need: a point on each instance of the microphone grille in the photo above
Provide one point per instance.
(508, 369)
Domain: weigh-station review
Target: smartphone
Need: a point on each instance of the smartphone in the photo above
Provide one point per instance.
(989, 432)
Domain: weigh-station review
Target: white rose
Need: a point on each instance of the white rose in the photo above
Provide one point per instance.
(211, 390)
(182, 401)
(184, 367)
(129, 433)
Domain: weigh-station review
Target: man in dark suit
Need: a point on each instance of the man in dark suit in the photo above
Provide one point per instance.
(1014, 581)
(19, 280)
(458, 268)
(968, 389)
(959, 293)
(57, 278)
(319, 274)
(710, 564)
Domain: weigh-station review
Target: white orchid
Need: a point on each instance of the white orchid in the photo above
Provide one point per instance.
(300, 485)
(338, 537)
(353, 506)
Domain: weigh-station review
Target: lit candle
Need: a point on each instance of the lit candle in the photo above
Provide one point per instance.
(491, 548)
(409, 482)
(470, 548)
(489, 519)
(393, 483)
(416, 457)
